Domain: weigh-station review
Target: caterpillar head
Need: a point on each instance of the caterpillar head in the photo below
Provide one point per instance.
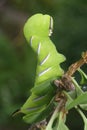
(38, 25)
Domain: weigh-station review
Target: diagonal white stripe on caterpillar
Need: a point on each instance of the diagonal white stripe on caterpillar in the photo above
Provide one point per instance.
(38, 49)
(45, 71)
(45, 59)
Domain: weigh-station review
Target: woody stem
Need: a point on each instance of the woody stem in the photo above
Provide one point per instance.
(72, 69)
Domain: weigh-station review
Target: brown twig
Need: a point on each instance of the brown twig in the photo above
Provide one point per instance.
(72, 69)
(65, 83)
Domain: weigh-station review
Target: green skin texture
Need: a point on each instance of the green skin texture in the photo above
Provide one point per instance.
(36, 31)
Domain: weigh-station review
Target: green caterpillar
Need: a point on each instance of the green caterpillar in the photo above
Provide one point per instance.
(37, 31)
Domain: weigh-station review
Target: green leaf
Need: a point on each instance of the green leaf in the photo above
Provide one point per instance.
(69, 99)
(78, 92)
(60, 125)
(83, 106)
(77, 87)
(83, 117)
(54, 116)
(82, 99)
(83, 77)
(57, 121)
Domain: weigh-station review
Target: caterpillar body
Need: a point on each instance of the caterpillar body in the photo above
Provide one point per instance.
(37, 31)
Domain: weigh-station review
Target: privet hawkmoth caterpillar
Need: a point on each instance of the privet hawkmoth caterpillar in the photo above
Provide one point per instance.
(37, 31)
